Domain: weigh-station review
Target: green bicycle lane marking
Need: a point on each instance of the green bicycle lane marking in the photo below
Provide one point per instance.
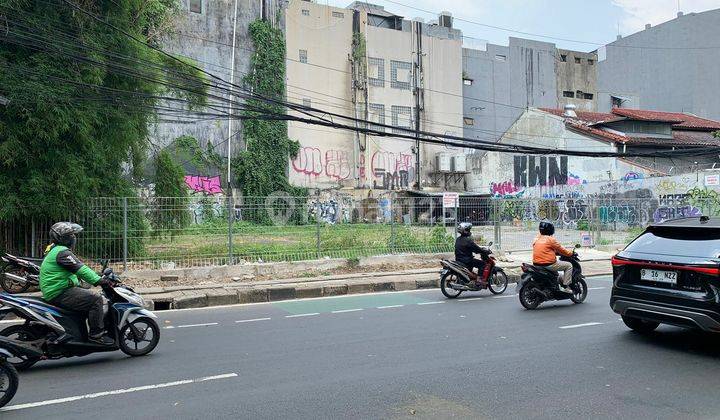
(350, 302)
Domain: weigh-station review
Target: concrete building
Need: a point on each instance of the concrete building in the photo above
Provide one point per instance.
(576, 79)
(670, 67)
(365, 62)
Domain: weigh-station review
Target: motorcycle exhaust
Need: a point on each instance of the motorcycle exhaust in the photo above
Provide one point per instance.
(16, 278)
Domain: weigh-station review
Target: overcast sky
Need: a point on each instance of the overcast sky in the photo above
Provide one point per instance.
(592, 21)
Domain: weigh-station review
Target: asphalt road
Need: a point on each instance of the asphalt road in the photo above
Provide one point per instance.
(394, 355)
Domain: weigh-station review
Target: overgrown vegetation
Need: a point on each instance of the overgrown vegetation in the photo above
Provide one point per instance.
(171, 214)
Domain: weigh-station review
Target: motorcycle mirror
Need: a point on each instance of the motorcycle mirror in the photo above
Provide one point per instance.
(104, 264)
(490, 244)
(577, 246)
(107, 271)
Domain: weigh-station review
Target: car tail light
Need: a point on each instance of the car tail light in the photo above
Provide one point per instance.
(619, 262)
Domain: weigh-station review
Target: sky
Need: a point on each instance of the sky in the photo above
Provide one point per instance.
(563, 22)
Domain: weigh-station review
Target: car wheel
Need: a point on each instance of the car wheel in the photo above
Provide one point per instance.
(640, 325)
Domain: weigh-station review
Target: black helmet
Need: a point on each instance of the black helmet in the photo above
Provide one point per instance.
(547, 228)
(63, 233)
(464, 228)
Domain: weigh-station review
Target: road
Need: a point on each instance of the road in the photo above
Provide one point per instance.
(394, 355)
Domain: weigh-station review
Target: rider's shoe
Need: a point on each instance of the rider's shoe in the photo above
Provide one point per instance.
(101, 339)
(566, 289)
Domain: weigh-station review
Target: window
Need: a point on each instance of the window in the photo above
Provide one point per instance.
(467, 82)
(400, 74)
(376, 71)
(563, 57)
(195, 6)
(579, 94)
(578, 60)
(339, 15)
(616, 102)
(500, 57)
(307, 102)
(588, 96)
(591, 62)
(568, 94)
(303, 56)
(377, 115)
(468, 121)
(401, 117)
(305, 12)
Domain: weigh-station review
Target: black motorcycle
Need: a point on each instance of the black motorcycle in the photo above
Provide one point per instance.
(540, 284)
(9, 380)
(455, 278)
(19, 274)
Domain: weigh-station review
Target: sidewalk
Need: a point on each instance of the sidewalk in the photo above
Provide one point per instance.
(182, 297)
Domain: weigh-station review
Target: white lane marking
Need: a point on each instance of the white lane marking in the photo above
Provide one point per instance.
(470, 299)
(169, 328)
(116, 392)
(208, 324)
(596, 288)
(253, 320)
(432, 303)
(346, 310)
(587, 324)
(504, 296)
(390, 306)
(301, 315)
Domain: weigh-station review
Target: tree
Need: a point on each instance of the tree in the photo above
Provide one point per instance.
(171, 213)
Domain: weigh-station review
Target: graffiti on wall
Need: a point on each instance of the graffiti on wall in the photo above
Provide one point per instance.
(392, 171)
(505, 189)
(204, 184)
(334, 164)
(532, 171)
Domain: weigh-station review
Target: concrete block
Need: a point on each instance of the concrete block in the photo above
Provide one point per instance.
(186, 301)
(161, 297)
(335, 290)
(404, 285)
(428, 283)
(219, 297)
(382, 286)
(169, 278)
(308, 291)
(252, 295)
(360, 288)
(281, 293)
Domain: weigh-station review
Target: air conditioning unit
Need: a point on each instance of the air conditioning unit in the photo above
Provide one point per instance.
(443, 162)
(445, 19)
(459, 163)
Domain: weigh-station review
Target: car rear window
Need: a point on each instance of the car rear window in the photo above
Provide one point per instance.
(685, 242)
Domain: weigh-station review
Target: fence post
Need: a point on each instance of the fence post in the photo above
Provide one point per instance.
(231, 219)
(392, 229)
(125, 233)
(496, 223)
(317, 227)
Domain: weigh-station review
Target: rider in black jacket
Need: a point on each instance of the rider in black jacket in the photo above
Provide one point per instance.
(465, 247)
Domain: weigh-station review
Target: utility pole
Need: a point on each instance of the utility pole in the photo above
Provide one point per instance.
(230, 200)
(419, 102)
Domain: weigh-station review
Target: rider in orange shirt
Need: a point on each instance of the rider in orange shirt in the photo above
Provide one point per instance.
(545, 249)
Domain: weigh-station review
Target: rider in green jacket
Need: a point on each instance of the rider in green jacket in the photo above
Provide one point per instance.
(59, 282)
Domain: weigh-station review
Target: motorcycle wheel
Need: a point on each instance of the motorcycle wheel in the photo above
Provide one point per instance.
(21, 333)
(445, 288)
(529, 298)
(580, 290)
(11, 286)
(498, 282)
(130, 344)
(9, 382)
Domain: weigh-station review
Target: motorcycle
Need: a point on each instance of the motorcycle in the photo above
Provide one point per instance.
(58, 333)
(9, 380)
(19, 274)
(539, 284)
(455, 278)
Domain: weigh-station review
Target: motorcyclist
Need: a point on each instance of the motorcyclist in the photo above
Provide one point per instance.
(465, 247)
(545, 248)
(59, 273)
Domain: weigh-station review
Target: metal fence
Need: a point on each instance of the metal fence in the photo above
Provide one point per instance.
(138, 233)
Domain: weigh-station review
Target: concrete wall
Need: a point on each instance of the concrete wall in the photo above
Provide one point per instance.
(580, 78)
(666, 67)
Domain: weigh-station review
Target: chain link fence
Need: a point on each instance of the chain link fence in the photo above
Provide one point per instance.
(156, 232)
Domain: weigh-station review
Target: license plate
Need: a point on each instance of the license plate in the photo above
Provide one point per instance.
(660, 276)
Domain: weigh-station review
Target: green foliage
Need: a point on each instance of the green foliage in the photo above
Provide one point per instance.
(171, 214)
(583, 225)
(261, 168)
(440, 238)
(205, 160)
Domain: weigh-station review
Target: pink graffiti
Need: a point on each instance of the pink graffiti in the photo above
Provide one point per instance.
(504, 188)
(361, 165)
(308, 161)
(204, 184)
(391, 162)
(337, 164)
(574, 180)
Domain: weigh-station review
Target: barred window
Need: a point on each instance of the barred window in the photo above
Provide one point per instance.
(195, 6)
(303, 56)
(377, 115)
(306, 12)
(376, 71)
(307, 102)
(400, 74)
(340, 15)
(401, 117)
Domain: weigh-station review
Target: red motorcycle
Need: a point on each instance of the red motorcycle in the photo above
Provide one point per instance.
(455, 278)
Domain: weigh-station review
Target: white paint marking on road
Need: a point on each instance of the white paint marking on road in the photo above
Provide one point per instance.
(208, 324)
(587, 324)
(347, 310)
(302, 315)
(470, 299)
(504, 296)
(116, 392)
(390, 306)
(169, 328)
(596, 288)
(253, 320)
(432, 303)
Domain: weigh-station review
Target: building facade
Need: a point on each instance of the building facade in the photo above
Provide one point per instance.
(669, 67)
